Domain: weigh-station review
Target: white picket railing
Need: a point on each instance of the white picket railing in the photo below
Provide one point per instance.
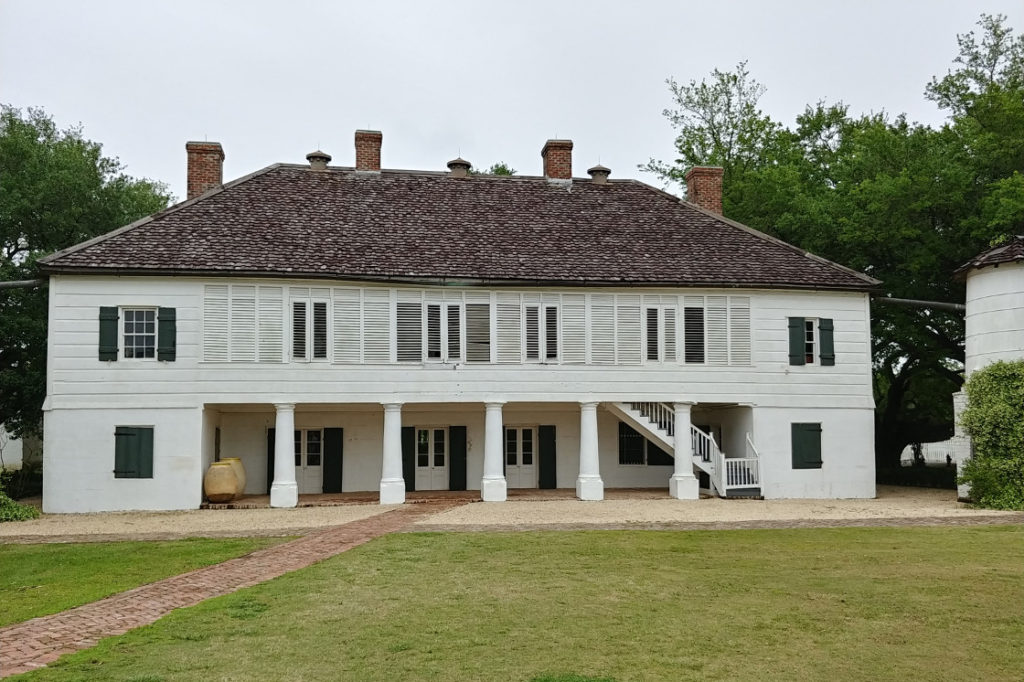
(661, 414)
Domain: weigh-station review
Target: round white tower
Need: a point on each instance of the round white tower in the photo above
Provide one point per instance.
(995, 306)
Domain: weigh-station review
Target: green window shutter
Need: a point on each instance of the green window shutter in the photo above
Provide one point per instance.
(166, 334)
(108, 334)
(457, 454)
(271, 443)
(547, 478)
(133, 452)
(796, 341)
(409, 457)
(806, 446)
(827, 345)
(334, 449)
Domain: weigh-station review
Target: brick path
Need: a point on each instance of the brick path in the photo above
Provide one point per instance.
(34, 643)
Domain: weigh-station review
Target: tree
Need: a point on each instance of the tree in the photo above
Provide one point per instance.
(902, 202)
(499, 168)
(56, 189)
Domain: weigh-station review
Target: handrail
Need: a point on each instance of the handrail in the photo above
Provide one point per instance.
(751, 448)
(662, 414)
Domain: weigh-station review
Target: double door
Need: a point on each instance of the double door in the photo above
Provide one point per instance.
(521, 456)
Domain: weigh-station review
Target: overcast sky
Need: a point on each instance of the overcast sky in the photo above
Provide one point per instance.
(274, 80)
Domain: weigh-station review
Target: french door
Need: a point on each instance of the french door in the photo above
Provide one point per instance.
(521, 456)
(309, 455)
(431, 458)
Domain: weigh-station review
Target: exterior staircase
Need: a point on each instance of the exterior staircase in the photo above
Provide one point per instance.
(729, 476)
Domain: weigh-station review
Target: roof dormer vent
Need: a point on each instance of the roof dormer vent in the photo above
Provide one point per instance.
(318, 160)
(459, 167)
(599, 174)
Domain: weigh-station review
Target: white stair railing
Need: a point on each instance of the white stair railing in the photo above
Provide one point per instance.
(661, 414)
(742, 472)
(706, 449)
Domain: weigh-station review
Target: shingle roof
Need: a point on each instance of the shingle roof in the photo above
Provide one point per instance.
(404, 225)
(1008, 252)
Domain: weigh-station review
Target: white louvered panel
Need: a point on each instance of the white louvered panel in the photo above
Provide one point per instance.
(602, 329)
(478, 332)
(627, 336)
(693, 301)
(670, 334)
(552, 299)
(717, 330)
(739, 330)
(475, 296)
(452, 296)
(215, 323)
(574, 329)
(410, 296)
(410, 331)
(298, 292)
(431, 295)
(243, 324)
(509, 328)
(346, 325)
(376, 326)
(320, 292)
(270, 308)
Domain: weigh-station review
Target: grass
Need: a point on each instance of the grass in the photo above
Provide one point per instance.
(37, 580)
(808, 604)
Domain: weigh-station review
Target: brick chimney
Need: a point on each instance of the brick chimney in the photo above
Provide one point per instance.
(205, 167)
(704, 187)
(368, 150)
(557, 155)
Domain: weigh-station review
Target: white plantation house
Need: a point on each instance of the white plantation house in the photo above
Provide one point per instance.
(358, 329)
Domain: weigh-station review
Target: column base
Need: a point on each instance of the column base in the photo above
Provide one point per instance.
(284, 494)
(590, 488)
(683, 487)
(392, 491)
(494, 489)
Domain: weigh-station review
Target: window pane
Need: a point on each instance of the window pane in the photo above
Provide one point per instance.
(422, 441)
(631, 445)
(527, 447)
(423, 460)
(139, 333)
(511, 447)
(809, 341)
(298, 448)
(439, 438)
(551, 333)
(434, 332)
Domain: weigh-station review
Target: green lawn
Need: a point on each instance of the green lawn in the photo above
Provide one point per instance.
(36, 580)
(840, 604)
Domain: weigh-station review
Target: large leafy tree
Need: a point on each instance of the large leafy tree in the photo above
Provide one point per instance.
(56, 189)
(903, 202)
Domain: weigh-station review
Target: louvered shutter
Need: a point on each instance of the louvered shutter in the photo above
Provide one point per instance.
(108, 334)
(478, 332)
(215, 323)
(243, 324)
(796, 341)
(434, 331)
(670, 334)
(739, 330)
(651, 325)
(270, 324)
(376, 326)
(550, 332)
(574, 329)
(602, 329)
(509, 328)
(532, 323)
(319, 330)
(717, 330)
(825, 333)
(454, 329)
(166, 334)
(410, 332)
(627, 331)
(346, 326)
(693, 330)
(299, 315)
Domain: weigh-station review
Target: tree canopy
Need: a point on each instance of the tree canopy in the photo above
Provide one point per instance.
(903, 202)
(56, 189)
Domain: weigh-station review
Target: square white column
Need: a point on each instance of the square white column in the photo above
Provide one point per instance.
(284, 491)
(589, 485)
(683, 485)
(392, 483)
(493, 487)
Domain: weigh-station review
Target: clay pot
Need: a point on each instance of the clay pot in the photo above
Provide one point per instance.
(220, 483)
(239, 473)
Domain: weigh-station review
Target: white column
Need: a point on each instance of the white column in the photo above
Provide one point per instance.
(284, 491)
(493, 487)
(392, 484)
(683, 485)
(589, 485)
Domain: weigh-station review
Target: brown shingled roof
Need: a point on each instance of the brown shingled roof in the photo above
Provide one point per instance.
(1007, 252)
(413, 226)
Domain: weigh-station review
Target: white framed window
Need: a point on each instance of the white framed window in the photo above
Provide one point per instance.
(659, 332)
(540, 337)
(310, 319)
(810, 340)
(443, 332)
(138, 333)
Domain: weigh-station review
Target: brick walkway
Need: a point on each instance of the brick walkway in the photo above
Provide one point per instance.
(34, 643)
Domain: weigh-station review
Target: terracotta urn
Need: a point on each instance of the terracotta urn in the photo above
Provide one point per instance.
(220, 483)
(236, 462)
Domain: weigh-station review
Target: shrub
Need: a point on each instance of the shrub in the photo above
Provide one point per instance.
(994, 418)
(15, 511)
